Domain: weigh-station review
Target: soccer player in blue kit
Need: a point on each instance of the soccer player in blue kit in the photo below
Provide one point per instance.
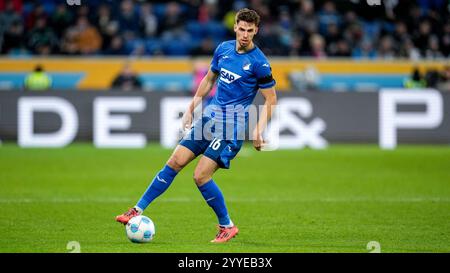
(241, 69)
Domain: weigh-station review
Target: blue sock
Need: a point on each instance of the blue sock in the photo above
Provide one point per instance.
(159, 185)
(215, 200)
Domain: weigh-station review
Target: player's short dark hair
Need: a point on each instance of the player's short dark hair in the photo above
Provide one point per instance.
(247, 15)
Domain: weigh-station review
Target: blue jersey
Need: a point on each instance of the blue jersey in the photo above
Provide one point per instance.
(240, 74)
(220, 132)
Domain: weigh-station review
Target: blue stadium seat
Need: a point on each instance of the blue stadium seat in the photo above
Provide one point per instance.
(196, 29)
(159, 10)
(213, 29)
(27, 9)
(131, 45)
(216, 29)
(49, 7)
(176, 47)
(152, 45)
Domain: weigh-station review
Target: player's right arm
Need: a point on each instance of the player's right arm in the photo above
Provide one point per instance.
(203, 89)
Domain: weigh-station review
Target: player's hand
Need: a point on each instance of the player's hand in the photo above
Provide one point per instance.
(186, 121)
(258, 141)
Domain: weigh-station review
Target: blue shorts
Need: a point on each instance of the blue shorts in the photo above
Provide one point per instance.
(220, 150)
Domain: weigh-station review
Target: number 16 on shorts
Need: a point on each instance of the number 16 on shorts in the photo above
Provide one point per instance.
(215, 144)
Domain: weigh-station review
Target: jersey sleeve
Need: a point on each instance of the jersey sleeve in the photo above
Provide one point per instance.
(215, 60)
(264, 75)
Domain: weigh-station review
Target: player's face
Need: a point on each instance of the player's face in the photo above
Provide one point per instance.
(245, 32)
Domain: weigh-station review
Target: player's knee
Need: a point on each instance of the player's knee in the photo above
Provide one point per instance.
(176, 163)
(201, 177)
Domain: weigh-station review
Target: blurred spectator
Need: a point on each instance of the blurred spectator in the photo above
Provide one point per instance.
(61, 19)
(172, 19)
(17, 5)
(328, 15)
(128, 19)
(269, 40)
(37, 13)
(86, 38)
(8, 16)
(306, 23)
(262, 8)
(207, 11)
(422, 37)
(296, 45)
(400, 34)
(307, 80)
(415, 80)
(444, 80)
(413, 18)
(364, 50)
(127, 80)
(305, 19)
(103, 17)
(355, 34)
(285, 25)
(386, 48)
(445, 39)
(68, 43)
(116, 47)
(106, 25)
(41, 39)
(108, 33)
(149, 21)
(206, 48)
(84, 11)
(38, 80)
(432, 78)
(433, 51)
(342, 49)
(317, 44)
(13, 37)
(138, 50)
(398, 28)
(176, 42)
(333, 35)
(409, 51)
(229, 17)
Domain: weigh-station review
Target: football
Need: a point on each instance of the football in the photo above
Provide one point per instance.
(140, 229)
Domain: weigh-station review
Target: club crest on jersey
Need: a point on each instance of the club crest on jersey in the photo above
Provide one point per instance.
(228, 76)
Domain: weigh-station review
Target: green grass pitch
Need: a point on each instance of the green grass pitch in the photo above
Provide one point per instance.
(333, 200)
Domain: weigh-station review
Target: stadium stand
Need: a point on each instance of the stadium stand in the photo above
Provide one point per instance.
(414, 31)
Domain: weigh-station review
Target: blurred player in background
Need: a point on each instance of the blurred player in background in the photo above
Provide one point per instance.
(241, 69)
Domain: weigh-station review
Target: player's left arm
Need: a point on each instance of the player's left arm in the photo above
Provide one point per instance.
(270, 97)
(266, 85)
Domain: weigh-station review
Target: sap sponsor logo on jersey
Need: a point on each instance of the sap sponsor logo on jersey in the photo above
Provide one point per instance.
(228, 76)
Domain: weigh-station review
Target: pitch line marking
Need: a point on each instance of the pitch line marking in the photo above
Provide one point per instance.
(5, 200)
